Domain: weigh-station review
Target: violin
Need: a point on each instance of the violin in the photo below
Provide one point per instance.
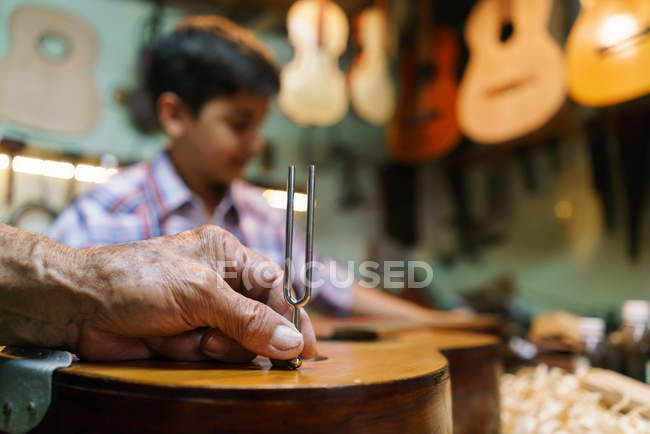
(372, 92)
(313, 89)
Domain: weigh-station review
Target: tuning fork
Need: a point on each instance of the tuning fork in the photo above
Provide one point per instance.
(298, 304)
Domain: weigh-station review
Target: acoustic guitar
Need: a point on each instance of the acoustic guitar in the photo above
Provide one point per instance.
(424, 126)
(608, 52)
(396, 384)
(46, 78)
(514, 80)
(313, 89)
(372, 91)
(475, 364)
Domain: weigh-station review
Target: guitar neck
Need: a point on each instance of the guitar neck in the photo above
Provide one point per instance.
(321, 21)
(423, 31)
(505, 10)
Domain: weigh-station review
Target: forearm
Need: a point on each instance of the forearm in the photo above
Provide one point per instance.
(369, 301)
(42, 299)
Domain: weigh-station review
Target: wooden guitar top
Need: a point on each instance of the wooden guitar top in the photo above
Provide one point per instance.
(346, 364)
(396, 384)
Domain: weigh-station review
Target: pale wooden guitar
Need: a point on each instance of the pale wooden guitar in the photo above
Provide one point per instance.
(313, 88)
(514, 80)
(46, 79)
(372, 91)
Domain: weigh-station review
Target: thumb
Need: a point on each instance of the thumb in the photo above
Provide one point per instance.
(258, 328)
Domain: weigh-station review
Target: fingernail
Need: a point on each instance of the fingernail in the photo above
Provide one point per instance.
(286, 338)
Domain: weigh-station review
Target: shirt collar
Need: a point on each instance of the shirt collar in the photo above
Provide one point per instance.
(171, 193)
(225, 209)
(169, 190)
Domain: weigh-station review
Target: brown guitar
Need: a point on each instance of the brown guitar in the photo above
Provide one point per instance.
(474, 360)
(514, 81)
(424, 126)
(608, 52)
(397, 384)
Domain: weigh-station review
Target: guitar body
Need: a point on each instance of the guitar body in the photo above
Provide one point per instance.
(390, 386)
(372, 92)
(608, 52)
(46, 78)
(475, 367)
(511, 88)
(425, 125)
(313, 89)
(475, 363)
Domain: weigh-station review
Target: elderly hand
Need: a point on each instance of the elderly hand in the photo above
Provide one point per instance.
(199, 294)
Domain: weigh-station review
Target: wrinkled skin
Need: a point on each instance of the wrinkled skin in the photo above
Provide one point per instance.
(169, 296)
(173, 287)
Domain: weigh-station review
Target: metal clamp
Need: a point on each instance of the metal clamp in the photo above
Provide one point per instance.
(26, 385)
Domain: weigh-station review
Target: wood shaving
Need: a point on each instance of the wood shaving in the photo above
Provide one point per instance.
(543, 400)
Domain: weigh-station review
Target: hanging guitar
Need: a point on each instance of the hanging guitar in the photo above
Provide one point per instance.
(608, 52)
(46, 78)
(514, 80)
(372, 92)
(313, 88)
(425, 126)
(397, 384)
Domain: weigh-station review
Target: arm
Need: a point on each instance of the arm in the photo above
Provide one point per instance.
(140, 299)
(373, 302)
(337, 292)
(41, 291)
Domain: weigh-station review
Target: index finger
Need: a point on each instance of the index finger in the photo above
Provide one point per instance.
(262, 281)
(254, 276)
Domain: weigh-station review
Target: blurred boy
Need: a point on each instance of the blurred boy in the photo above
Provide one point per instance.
(212, 83)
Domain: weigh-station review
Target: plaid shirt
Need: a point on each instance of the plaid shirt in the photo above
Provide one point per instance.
(151, 199)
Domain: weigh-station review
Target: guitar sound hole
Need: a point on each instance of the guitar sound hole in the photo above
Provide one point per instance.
(507, 29)
(53, 47)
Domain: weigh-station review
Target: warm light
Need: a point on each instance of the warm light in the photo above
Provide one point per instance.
(278, 199)
(4, 161)
(563, 210)
(616, 29)
(58, 169)
(88, 173)
(112, 171)
(32, 166)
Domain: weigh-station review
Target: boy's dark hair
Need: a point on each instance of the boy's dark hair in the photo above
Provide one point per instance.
(208, 56)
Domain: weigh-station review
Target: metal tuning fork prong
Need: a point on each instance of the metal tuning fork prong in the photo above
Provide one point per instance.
(288, 250)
